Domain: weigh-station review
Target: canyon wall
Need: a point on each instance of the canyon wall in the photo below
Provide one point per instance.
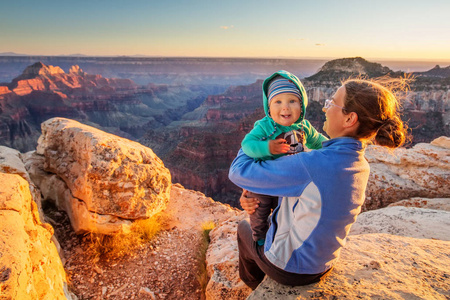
(210, 136)
(182, 121)
(115, 105)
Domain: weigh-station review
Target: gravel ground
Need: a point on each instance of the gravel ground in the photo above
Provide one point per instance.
(165, 268)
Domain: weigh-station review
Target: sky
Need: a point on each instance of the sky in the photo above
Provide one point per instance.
(382, 29)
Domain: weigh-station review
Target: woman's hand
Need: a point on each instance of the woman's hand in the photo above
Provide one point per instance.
(278, 146)
(248, 204)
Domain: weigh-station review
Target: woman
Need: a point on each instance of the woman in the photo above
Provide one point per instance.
(321, 192)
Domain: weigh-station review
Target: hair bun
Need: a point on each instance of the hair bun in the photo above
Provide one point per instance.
(391, 133)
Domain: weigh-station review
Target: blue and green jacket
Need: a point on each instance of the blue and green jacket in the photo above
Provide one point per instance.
(256, 143)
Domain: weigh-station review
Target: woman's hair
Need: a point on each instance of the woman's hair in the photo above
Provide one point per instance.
(377, 108)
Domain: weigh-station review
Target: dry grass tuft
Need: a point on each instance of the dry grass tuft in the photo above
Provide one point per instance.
(122, 244)
(202, 275)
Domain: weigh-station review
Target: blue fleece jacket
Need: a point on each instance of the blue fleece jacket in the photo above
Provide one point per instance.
(322, 192)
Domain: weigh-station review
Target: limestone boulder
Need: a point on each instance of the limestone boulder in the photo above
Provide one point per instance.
(107, 181)
(30, 267)
(431, 203)
(54, 189)
(376, 266)
(11, 162)
(222, 262)
(405, 221)
(422, 171)
(391, 253)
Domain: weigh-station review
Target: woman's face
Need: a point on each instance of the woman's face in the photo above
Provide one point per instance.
(335, 118)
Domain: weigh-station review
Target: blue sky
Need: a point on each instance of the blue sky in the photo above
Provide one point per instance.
(322, 28)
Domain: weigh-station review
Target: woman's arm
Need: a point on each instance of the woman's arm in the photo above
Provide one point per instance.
(248, 204)
(280, 177)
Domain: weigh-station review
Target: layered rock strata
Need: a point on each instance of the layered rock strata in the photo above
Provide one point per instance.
(421, 171)
(376, 266)
(115, 105)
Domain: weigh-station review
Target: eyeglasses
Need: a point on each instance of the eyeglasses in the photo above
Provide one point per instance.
(329, 103)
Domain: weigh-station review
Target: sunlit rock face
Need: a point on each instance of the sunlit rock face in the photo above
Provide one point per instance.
(405, 221)
(376, 266)
(431, 203)
(11, 162)
(222, 262)
(41, 77)
(30, 267)
(404, 246)
(110, 180)
(422, 171)
(4, 90)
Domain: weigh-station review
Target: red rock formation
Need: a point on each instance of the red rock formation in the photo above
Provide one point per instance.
(40, 77)
(4, 90)
(42, 92)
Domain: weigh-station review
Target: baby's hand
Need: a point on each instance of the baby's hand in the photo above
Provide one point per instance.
(278, 146)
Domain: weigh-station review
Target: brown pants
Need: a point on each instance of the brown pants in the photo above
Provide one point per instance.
(259, 220)
(253, 264)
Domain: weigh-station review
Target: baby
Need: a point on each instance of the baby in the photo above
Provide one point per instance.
(284, 130)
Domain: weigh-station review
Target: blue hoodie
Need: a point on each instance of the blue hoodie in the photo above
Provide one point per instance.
(322, 192)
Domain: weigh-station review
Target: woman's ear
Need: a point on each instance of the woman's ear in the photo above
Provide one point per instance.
(351, 119)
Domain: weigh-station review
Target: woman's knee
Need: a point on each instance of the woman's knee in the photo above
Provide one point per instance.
(243, 229)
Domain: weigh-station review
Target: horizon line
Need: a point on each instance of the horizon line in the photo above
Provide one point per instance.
(13, 54)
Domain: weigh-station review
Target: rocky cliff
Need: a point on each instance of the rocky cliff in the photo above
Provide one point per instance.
(30, 267)
(436, 72)
(112, 179)
(207, 130)
(384, 244)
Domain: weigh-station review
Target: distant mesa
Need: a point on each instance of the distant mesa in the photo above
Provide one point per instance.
(436, 72)
(40, 69)
(76, 70)
(338, 69)
(42, 77)
(12, 54)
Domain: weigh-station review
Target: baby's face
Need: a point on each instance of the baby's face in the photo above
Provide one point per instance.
(285, 109)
